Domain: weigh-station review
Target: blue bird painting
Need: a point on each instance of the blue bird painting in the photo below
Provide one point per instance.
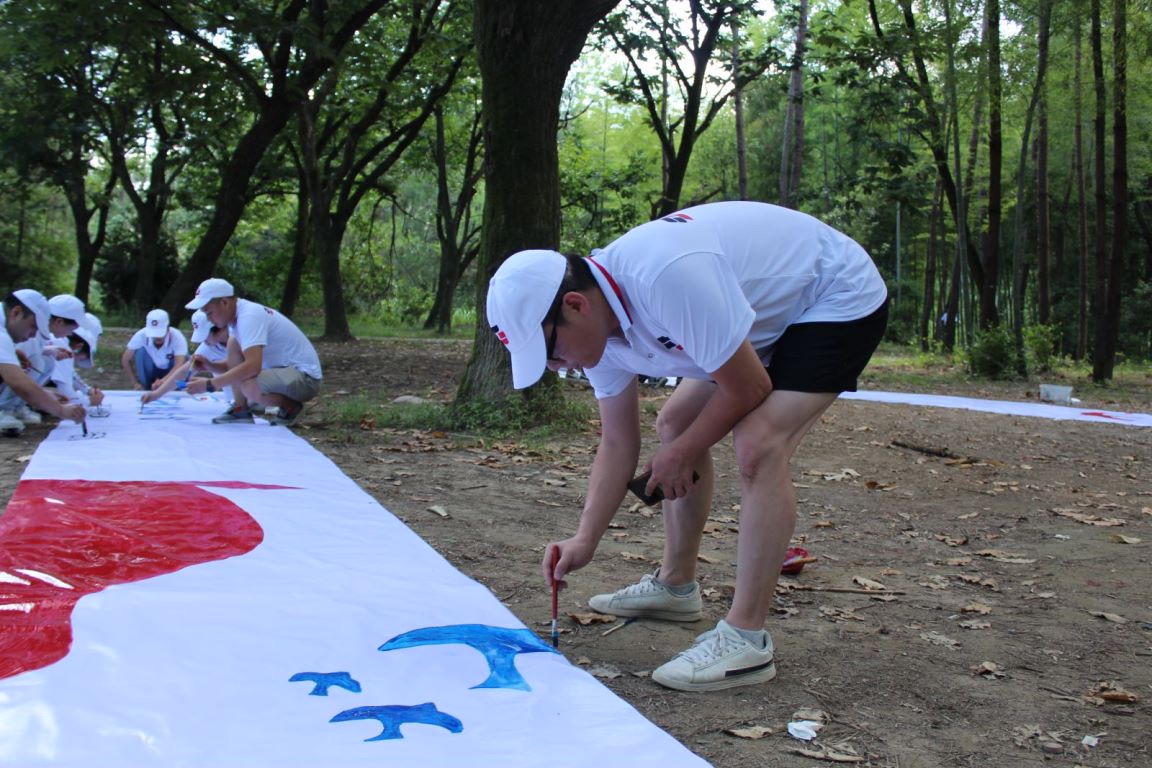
(392, 716)
(499, 645)
(325, 680)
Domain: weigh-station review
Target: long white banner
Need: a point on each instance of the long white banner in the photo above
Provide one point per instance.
(174, 592)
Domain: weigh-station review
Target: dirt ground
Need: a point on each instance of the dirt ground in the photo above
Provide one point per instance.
(982, 594)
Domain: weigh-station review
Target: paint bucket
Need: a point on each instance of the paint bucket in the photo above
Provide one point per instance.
(1055, 393)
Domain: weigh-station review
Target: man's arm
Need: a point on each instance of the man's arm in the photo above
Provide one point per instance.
(249, 369)
(38, 397)
(127, 361)
(607, 483)
(741, 386)
(168, 383)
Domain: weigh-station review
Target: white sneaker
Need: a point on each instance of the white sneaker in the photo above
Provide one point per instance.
(720, 659)
(10, 426)
(649, 599)
(28, 416)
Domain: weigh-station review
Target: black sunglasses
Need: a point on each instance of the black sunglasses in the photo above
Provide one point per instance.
(550, 348)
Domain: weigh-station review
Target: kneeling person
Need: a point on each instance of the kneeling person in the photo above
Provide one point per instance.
(270, 360)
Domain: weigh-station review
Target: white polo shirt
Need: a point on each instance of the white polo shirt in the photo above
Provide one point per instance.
(175, 345)
(285, 345)
(688, 289)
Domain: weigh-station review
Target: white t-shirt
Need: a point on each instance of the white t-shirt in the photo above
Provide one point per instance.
(688, 289)
(7, 346)
(213, 353)
(164, 356)
(285, 345)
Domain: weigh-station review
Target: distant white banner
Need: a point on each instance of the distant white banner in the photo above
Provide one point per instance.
(1006, 407)
(174, 592)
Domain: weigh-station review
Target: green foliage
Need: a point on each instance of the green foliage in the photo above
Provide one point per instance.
(993, 354)
(116, 272)
(1040, 347)
(548, 411)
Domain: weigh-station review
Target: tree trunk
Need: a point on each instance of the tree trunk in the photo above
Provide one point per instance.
(525, 49)
(1043, 217)
(738, 116)
(1100, 236)
(300, 247)
(792, 149)
(928, 305)
(1104, 359)
(989, 315)
(328, 235)
(1081, 348)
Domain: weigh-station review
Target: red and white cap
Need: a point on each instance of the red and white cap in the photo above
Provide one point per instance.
(519, 297)
(156, 324)
(212, 288)
(201, 327)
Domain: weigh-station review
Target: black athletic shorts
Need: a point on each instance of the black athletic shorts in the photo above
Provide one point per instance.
(826, 357)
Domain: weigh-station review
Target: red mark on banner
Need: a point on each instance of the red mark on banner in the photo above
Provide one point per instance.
(63, 539)
(1102, 415)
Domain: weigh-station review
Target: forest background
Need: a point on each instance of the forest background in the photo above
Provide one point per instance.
(365, 162)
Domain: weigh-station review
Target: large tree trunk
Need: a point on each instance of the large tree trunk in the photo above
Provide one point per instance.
(525, 49)
(989, 315)
(300, 249)
(328, 235)
(792, 154)
(1104, 359)
(1100, 236)
(1081, 348)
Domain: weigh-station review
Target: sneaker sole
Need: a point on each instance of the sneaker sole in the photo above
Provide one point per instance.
(735, 681)
(642, 613)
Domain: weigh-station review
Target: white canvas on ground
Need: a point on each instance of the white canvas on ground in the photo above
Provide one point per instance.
(232, 599)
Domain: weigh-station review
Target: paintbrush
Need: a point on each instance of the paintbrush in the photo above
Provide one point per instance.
(84, 426)
(555, 596)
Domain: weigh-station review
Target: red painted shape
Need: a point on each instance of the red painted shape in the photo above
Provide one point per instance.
(102, 533)
(1102, 415)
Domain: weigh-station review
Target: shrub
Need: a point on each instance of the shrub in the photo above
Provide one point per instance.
(1040, 347)
(993, 354)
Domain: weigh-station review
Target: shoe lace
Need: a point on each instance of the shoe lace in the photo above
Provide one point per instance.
(709, 647)
(646, 585)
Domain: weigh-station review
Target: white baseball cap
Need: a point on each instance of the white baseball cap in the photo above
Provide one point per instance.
(212, 288)
(157, 324)
(90, 337)
(519, 297)
(92, 323)
(35, 302)
(201, 327)
(68, 307)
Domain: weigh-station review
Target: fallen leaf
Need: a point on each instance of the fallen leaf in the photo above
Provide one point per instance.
(584, 619)
(952, 541)
(824, 524)
(873, 485)
(868, 583)
(1001, 556)
(1111, 691)
(975, 607)
(751, 732)
(1113, 617)
(989, 669)
(938, 639)
(556, 483)
(808, 713)
(1120, 538)
(975, 624)
(829, 755)
(632, 556)
(605, 672)
(439, 510)
(706, 559)
(1087, 519)
(23, 459)
(958, 561)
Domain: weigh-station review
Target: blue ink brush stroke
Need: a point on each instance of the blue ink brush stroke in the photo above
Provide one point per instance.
(325, 680)
(392, 716)
(499, 645)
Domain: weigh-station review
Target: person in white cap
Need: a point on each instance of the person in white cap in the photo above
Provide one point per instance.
(270, 361)
(768, 314)
(45, 352)
(26, 313)
(153, 351)
(210, 358)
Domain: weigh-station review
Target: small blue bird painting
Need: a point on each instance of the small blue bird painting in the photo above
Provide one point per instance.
(499, 645)
(325, 680)
(393, 716)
